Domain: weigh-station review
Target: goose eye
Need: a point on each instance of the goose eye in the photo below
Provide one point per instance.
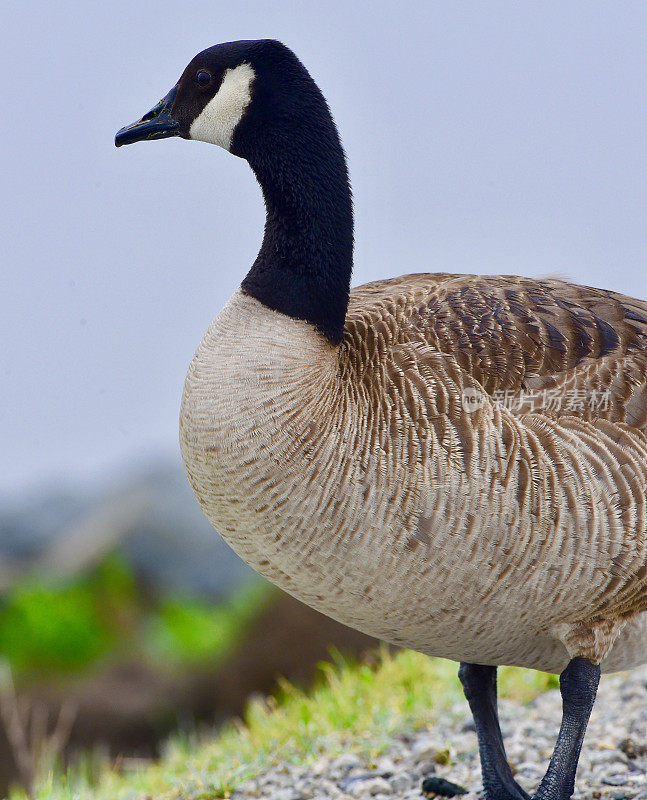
(203, 78)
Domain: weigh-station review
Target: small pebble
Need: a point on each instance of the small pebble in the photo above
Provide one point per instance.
(347, 761)
(400, 783)
(371, 788)
(286, 794)
(426, 767)
(607, 757)
(530, 766)
(320, 767)
(383, 765)
(614, 780)
(426, 749)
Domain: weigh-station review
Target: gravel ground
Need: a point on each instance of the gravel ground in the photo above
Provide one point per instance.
(613, 763)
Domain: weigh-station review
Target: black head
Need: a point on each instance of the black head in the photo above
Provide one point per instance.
(232, 94)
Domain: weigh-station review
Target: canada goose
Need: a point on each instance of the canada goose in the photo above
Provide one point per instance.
(456, 464)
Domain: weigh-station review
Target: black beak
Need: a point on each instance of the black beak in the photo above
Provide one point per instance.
(157, 124)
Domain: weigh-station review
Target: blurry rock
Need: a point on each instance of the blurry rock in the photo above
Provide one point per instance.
(152, 517)
(29, 526)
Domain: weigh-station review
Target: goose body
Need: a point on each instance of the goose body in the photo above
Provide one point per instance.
(497, 535)
(452, 463)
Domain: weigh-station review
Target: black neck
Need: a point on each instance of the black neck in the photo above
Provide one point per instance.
(304, 265)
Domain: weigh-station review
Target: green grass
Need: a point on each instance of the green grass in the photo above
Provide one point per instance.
(353, 707)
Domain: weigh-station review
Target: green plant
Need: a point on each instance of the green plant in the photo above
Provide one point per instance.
(48, 626)
(61, 627)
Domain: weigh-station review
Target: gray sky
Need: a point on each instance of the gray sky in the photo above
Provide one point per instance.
(482, 137)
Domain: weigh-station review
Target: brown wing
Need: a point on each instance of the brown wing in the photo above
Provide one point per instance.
(547, 345)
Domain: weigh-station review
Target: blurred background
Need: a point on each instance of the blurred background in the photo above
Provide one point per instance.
(496, 137)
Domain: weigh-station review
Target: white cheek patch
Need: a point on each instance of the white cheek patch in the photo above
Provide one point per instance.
(217, 121)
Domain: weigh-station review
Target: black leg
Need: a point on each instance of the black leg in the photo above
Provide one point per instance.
(479, 685)
(578, 685)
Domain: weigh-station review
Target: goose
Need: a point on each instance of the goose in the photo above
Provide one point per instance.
(452, 463)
